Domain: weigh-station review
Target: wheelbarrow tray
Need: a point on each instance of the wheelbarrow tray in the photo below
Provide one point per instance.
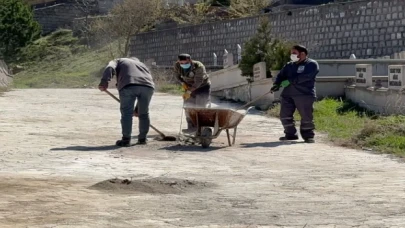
(217, 118)
(227, 118)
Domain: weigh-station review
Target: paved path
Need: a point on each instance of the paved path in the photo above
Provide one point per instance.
(56, 144)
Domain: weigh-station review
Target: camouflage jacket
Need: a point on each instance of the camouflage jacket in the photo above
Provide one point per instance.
(195, 77)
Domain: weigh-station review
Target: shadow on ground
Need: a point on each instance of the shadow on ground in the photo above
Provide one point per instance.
(87, 148)
(103, 148)
(190, 148)
(268, 144)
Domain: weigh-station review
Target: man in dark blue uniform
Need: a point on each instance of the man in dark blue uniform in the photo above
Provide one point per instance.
(298, 80)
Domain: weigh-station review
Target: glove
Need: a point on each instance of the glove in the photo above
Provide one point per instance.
(275, 88)
(285, 83)
(184, 86)
(102, 88)
(186, 95)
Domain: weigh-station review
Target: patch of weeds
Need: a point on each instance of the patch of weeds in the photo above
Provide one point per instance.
(59, 61)
(386, 134)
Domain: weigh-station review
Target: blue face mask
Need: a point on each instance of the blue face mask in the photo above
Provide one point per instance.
(185, 66)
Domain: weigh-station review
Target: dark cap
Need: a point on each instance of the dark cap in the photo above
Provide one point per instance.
(184, 57)
(301, 48)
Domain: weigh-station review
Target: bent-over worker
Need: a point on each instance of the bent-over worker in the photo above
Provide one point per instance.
(298, 79)
(134, 82)
(196, 82)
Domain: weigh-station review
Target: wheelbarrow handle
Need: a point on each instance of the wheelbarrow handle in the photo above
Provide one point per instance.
(253, 101)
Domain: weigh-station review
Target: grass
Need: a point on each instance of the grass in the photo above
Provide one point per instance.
(170, 88)
(60, 61)
(347, 124)
(3, 90)
(80, 70)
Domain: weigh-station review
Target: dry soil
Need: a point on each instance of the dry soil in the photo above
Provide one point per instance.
(59, 168)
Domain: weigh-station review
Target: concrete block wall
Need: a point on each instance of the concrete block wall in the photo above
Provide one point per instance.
(368, 29)
(57, 16)
(63, 14)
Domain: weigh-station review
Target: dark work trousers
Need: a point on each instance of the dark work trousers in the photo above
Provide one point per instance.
(304, 105)
(128, 96)
(200, 98)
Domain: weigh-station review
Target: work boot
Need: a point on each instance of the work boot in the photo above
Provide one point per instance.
(125, 142)
(309, 140)
(142, 142)
(289, 138)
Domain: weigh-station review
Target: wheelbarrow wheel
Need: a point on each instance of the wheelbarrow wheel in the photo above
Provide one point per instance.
(206, 135)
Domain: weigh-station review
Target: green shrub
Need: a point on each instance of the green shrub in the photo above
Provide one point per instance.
(18, 28)
(58, 45)
(264, 48)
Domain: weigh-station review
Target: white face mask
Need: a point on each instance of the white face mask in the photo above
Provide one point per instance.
(294, 57)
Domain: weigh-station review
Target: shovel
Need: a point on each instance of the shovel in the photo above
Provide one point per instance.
(164, 137)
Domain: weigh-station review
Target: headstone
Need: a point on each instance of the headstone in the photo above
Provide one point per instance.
(228, 59)
(239, 53)
(259, 71)
(396, 77)
(402, 54)
(397, 56)
(364, 75)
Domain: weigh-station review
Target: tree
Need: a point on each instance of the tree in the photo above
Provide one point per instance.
(197, 13)
(127, 19)
(246, 8)
(221, 2)
(87, 7)
(263, 47)
(18, 27)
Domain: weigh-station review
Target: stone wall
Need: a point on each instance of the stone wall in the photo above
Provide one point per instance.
(62, 14)
(383, 102)
(366, 28)
(57, 16)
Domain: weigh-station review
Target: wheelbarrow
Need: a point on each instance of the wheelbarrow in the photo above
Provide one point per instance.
(210, 122)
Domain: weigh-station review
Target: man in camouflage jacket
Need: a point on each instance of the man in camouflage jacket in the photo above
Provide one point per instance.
(196, 83)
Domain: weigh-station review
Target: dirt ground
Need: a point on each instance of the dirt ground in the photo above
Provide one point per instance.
(59, 168)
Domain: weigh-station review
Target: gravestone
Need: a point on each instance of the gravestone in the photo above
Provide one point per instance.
(239, 53)
(402, 55)
(259, 71)
(396, 77)
(228, 59)
(364, 75)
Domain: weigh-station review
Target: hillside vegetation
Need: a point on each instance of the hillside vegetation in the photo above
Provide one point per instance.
(61, 61)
